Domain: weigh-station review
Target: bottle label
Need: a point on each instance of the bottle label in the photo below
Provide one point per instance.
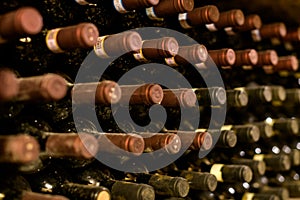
(258, 157)
(118, 4)
(99, 47)
(216, 170)
(51, 41)
(182, 17)
(151, 14)
(226, 127)
(211, 27)
(139, 56)
(229, 31)
(171, 62)
(255, 35)
(248, 196)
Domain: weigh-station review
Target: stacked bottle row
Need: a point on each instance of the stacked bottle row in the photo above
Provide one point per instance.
(47, 149)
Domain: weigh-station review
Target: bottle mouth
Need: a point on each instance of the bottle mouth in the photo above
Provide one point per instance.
(28, 21)
(181, 187)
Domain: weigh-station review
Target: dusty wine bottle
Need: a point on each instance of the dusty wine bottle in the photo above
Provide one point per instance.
(227, 139)
(157, 49)
(19, 149)
(211, 96)
(9, 86)
(274, 162)
(165, 185)
(237, 98)
(46, 87)
(104, 92)
(19, 23)
(117, 44)
(247, 133)
(147, 94)
(182, 98)
(114, 141)
(224, 58)
(166, 8)
(194, 54)
(258, 166)
(169, 142)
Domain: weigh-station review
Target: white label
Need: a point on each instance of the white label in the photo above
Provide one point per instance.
(171, 62)
(99, 47)
(211, 27)
(182, 20)
(258, 157)
(118, 4)
(151, 14)
(51, 41)
(229, 31)
(226, 128)
(248, 196)
(216, 170)
(256, 35)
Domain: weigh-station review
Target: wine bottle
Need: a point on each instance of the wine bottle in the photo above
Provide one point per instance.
(93, 174)
(257, 166)
(274, 162)
(224, 58)
(281, 192)
(237, 98)
(169, 142)
(165, 185)
(214, 96)
(287, 63)
(15, 187)
(50, 42)
(19, 23)
(246, 58)
(259, 196)
(245, 133)
(178, 98)
(19, 149)
(112, 143)
(53, 180)
(9, 86)
(227, 139)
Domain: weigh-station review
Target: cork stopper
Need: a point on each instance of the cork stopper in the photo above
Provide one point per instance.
(19, 149)
(288, 63)
(46, 87)
(277, 30)
(21, 22)
(292, 35)
(167, 8)
(191, 54)
(181, 187)
(223, 57)
(147, 94)
(121, 43)
(203, 15)
(83, 35)
(246, 57)
(230, 18)
(80, 145)
(131, 5)
(158, 49)
(179, 98)
(252, 22)
(268, 57)
(9, 86)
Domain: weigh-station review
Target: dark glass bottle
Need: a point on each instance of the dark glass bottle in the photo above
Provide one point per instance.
(178, 98)
(237, 98)
(165, 185)
(19, 149)
(215, 96)
(15, 187)
(24, 21)
(9, 86)
(245, 133)
(224, 58)
(275, 162)
(53, 180)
